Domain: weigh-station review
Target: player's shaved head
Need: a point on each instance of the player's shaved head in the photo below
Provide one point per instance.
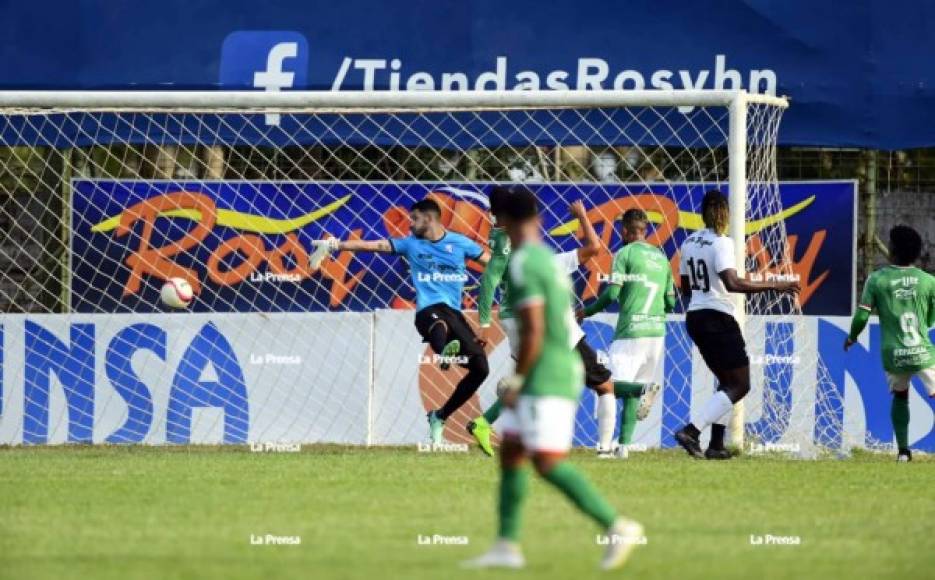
(715, 211)
(905, 245)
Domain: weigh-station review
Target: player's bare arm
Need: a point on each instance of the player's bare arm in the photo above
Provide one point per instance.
(591, 243)
(532, 331)
(739, 285)
(382, 246)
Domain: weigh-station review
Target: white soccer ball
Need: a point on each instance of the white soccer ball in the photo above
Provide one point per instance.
(176, 293)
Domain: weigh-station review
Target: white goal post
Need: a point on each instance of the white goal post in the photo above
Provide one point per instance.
(234, 184)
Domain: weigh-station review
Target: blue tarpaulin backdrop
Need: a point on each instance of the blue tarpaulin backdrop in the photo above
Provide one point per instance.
(860, 73)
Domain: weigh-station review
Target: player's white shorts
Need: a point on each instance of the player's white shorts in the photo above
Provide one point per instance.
(635, 360)
(900, 382)
(541, 423)
(511, 330)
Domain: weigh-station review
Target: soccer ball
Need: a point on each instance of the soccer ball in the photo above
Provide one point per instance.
(176, 293)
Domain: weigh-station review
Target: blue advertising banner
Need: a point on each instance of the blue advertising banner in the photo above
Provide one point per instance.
(244, 246)
(859, 73)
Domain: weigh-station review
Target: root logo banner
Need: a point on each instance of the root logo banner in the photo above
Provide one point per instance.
(245, 246)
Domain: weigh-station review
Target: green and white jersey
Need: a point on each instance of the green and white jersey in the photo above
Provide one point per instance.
(647, 291)
(535, 276)
(500, 251)
(493, 278)
(904, 298)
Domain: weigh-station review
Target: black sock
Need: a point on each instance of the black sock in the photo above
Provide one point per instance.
(477, 372)
(717, 436)
(692, 430)
(438, 337)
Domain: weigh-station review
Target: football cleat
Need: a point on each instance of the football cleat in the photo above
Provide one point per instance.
(481, 430)
(451, 350)
(647, 398)
(503, 554)
(712, 453)
(622, 537)
(436, 428)
(689, 443)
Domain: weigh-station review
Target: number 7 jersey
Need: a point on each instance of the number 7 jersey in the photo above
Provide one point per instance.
(703, 256)
(904, 298)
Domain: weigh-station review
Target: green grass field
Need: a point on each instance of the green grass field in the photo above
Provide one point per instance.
(138, 512)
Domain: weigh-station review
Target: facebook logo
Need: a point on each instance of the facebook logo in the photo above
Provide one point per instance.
(266, 60)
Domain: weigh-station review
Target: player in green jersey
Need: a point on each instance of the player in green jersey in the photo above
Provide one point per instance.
(641, 281)
(596, 375)
(541, 398)
(904, 298)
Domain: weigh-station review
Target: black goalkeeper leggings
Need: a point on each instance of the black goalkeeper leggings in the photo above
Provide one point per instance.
(467, 386)
(477, 372)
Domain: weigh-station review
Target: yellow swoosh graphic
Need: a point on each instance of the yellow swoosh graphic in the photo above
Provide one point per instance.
(239, 220)
(693, 221)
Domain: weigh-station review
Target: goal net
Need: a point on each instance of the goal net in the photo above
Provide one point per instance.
(108, 195)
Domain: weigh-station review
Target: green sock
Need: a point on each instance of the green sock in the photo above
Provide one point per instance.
(628, 419)
(622, 389)
(493, 411)
(899, 413)
(579, 490)
(513, 485)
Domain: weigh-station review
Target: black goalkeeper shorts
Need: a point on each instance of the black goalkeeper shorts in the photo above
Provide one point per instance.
(717, 336)
(458, 327)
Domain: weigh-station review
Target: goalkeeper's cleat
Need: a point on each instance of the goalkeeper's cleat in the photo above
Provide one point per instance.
(718, 454)
(450, 351)
(481, 430)
(623, 452)
(647, 398)
(689, 443)
(503, 554)
(436, 428)
(606, 453)
(904, 456)
(622, 537)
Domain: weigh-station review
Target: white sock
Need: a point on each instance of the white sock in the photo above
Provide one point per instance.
(725, 418)
(606, 417)
(716, 407)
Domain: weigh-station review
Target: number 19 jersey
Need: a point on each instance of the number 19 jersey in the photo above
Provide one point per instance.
(703, 256)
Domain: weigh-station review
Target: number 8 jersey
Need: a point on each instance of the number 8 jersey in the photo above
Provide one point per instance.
(904, 298)
(703, 256)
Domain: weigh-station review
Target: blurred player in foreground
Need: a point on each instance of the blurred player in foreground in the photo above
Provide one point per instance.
(904, 298)
(541, 398)
(596, 375)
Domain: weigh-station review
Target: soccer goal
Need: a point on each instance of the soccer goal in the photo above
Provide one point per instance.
(107, 195)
